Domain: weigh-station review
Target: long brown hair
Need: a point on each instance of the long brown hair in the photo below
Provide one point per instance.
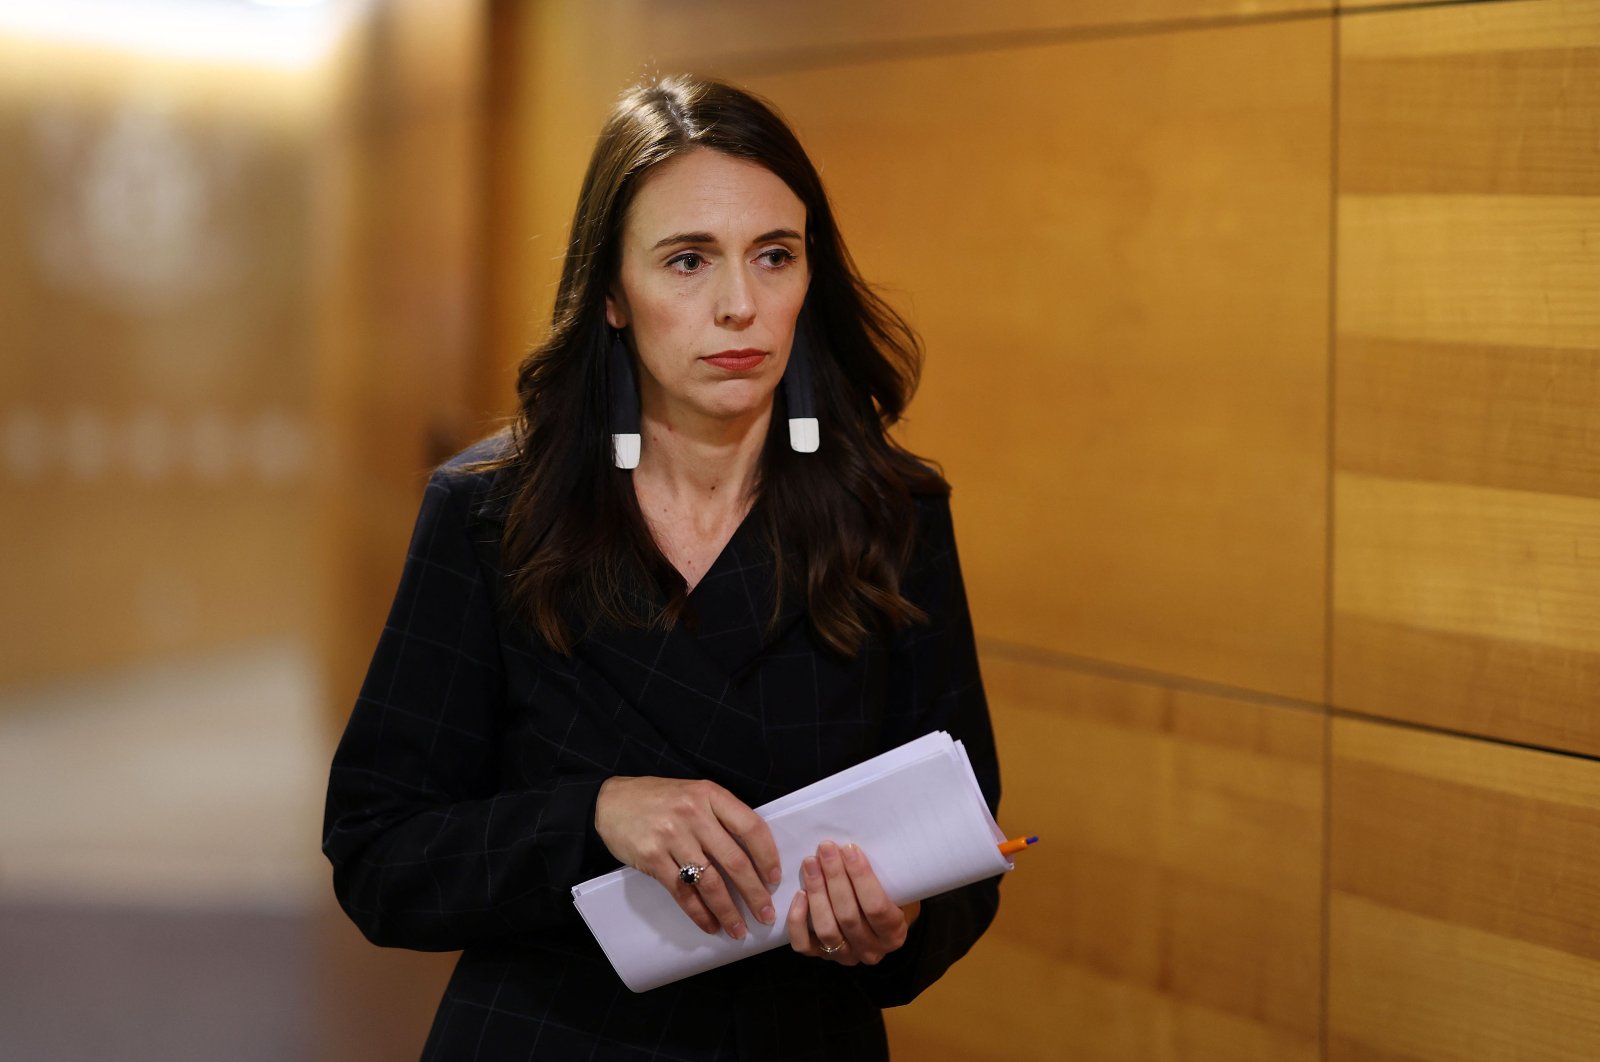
(840, 522)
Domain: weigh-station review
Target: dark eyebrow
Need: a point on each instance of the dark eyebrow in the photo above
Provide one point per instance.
(706, 237)
(684, 237)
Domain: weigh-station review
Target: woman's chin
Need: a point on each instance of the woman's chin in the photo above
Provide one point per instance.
(736, 401)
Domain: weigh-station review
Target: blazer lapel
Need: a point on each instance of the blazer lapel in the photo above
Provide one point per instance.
(686, 682)
(730, 610)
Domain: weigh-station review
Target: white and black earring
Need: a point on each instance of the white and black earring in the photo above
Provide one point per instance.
(624, 398)
(799, 397)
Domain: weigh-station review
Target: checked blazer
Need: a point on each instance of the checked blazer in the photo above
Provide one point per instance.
(460, 807)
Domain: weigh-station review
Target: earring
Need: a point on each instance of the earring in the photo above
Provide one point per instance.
(804, 436)
(624, 404)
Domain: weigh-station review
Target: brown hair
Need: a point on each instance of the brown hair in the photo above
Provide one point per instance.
(840, 522)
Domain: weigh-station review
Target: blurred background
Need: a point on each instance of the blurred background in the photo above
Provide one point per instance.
(1263, 353)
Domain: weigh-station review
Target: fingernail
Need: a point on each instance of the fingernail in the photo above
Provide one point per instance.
(767, 915)
(775, 875)
(736, 931)
(852, 854)
(808, 867)
(828, 848)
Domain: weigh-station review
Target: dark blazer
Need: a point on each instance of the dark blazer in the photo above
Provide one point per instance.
(460, 807)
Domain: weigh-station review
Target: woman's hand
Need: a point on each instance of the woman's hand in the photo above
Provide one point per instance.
(657, 825)
(842, 912)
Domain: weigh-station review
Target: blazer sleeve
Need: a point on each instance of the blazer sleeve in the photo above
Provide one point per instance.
(427, 852)
(936, 685)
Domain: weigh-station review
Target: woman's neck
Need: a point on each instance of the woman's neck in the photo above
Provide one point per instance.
(703, 464)
(695, 483)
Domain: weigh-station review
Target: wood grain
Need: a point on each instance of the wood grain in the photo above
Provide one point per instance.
(1466, 27)
(1467, 370)
(749, 37)
(1542, 694)
(1419, 124)
(1511, 416)
(1470, 560)
(1471, 608)
(1171, 908)
(1511, 270)
(1463, 879)
(1122, 284)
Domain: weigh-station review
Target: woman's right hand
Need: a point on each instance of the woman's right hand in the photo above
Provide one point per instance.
(657, 825)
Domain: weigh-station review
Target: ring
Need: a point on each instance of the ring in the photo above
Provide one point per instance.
(836, 949)
(689, 873)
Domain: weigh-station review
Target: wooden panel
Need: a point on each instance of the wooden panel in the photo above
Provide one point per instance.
(396, 390)
(155, 372)
(1544, 694)
(1465, 26)
(1424, 113)
(103, 573)
(1517, 417)
(557, 69)
(1470, 268)
(1470, 560)
(1171, 909)
(747, 36)
(1466, 557)
(1117, 253)
(1463, 921)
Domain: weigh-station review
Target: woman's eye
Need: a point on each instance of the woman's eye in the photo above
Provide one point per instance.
(777, 257)
(687, 263)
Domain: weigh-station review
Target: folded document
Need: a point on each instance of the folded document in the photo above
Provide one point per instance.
(915, 810)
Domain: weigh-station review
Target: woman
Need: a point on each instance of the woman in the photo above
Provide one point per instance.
(649, 608)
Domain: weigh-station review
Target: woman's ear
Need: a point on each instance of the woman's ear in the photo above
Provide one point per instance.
(616, 313)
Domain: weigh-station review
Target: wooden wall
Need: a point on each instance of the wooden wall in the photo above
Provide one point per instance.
(404, 302)
(158, 339)
(1264, 355)
(1464, 848)
(396, 394)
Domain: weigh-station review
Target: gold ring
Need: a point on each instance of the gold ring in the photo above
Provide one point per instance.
(836, 949)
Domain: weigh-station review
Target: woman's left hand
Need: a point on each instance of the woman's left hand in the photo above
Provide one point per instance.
(842, 912)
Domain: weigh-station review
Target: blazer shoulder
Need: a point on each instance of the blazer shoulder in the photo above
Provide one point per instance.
(933, 506)
(922, 477)
(479, 477)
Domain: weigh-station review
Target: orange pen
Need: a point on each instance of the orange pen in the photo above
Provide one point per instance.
(1016, 844)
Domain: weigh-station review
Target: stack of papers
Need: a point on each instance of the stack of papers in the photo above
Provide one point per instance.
(915, 810)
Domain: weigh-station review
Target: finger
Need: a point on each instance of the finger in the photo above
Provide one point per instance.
(712, 891)
(687, 899)
(741, 874)
(751, 831)
(819, 906)
(842, 897)
(799, 926)
(887, 920)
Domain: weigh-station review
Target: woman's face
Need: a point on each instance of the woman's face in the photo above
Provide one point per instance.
(713, 273)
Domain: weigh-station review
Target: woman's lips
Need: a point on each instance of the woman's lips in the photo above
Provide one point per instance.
(737, 360)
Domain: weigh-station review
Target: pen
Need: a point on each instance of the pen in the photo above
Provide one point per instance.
(1016, 844)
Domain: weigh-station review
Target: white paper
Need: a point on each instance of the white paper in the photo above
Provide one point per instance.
(916, 811)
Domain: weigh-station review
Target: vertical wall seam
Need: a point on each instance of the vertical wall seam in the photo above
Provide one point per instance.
(1326, 935)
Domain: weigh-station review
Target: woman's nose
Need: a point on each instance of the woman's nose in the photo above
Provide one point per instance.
(735, 299)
